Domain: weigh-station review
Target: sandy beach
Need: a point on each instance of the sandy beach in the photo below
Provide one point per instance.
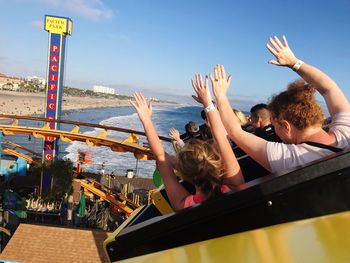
(23, 103)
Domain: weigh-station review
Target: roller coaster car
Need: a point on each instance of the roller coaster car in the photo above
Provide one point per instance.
(308, 192)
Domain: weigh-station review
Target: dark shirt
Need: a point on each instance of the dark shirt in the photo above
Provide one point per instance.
(268, 133)
(250, 168)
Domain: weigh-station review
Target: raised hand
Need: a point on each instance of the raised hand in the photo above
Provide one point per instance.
(174, 134)
(283, 54)
(142, 106)
(202, 90)
(219, 82)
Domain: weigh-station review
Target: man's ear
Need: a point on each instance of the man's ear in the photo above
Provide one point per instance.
(260, 123)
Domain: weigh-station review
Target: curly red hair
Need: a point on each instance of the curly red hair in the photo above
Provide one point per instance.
(297, 105)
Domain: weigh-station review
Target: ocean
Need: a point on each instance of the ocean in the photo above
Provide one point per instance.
(164, 118)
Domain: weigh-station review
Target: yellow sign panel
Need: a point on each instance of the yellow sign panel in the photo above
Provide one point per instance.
(58, 25)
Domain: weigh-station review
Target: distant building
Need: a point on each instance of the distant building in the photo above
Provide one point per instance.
(9, 83)
(103, 89)
(36, 79)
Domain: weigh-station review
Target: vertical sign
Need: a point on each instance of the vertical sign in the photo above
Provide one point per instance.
(58, 28)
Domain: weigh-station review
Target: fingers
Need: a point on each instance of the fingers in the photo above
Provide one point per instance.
(198, 84)
(278, 42)
(216, 72)
(200, 80)
(285, 42)
(273, 52)
(196, 99)
(140, 100)
(132, 103)
(274, 44)
(194, 85)
(211, 79)
(273, 62)
(222, 71)
(229, 80)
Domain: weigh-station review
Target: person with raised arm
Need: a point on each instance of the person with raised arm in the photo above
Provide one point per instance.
(295, 114)
(232, 172)
(199, 162)
(175, 135)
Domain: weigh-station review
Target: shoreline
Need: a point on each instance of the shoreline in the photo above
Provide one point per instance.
(25, 103)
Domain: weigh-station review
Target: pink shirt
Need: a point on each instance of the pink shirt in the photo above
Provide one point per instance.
(191, 200)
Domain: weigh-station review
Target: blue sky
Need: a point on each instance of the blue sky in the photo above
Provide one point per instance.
(156, 46)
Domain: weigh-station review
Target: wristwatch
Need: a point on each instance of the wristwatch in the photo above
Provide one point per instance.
(297, 65)
(210, 107)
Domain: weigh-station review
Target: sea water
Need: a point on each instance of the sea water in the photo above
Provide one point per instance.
(103, 158)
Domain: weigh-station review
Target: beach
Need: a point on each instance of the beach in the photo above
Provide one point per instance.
(25, 103)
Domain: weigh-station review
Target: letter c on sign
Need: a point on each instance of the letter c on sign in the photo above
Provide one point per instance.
(48, 156)
(51, 106)
(53, 68)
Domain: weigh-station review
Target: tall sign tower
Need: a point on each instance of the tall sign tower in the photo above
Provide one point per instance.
(59, 28)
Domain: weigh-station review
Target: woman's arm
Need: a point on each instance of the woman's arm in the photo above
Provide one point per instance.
(334, 97)
(233, 174)
(253, 145)
(175, 191)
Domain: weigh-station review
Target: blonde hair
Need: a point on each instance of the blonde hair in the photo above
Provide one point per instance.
(240, 115)
(199, 163)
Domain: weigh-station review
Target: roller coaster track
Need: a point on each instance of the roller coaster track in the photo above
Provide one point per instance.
(109, 197)
(12, 151)
(18, 154)
(130, 144)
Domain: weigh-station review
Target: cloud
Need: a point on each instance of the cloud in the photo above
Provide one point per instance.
(124, 38)
(94, 10)
(38, 24)
(120, 38)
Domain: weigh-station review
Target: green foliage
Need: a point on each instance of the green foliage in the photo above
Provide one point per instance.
(31, 86)
(61, 172)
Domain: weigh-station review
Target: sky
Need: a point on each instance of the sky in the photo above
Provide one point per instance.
(156, 46)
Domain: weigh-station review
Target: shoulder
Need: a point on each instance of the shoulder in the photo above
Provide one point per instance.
(286, 156)
(340, 118)
(189, 201)
(340, 127)
(225, 188)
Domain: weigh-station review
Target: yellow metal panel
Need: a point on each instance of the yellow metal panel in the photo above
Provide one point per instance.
(323, 239)
(65, 138)
(15, 122)
(133, 138)
(47, 126)
(7, 132)
(75, 130)
(90, 142)
(143, 156)
(159, 201)
(38, 135)
(103, 134)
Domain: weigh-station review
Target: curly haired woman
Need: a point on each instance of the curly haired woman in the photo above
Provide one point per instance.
(296, 115)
